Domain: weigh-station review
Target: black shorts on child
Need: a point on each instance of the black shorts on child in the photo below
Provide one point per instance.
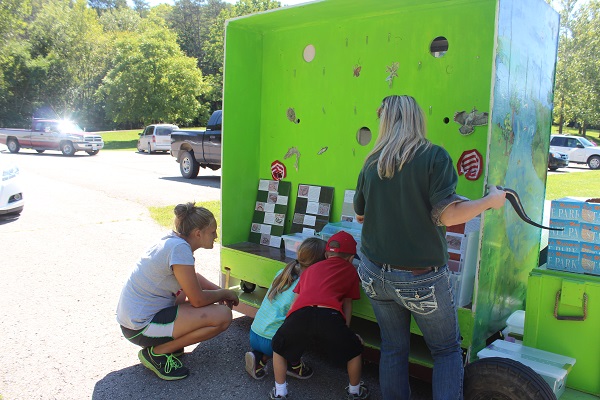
(325, 326)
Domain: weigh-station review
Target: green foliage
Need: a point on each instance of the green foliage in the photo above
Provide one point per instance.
(213, 47)
(577, 84)
(575, 184)
(151, 80)
(164, 215)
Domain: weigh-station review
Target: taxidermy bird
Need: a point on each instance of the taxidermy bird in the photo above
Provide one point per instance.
(469, 121)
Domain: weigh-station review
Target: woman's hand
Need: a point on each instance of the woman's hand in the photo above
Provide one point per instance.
(360, 219)
(231, 298)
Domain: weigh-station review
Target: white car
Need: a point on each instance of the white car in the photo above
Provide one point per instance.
(156, 138)
(11, 190)
(579, 149)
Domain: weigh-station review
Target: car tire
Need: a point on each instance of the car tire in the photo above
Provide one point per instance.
(594, 162)
(149, 150)
(40, 151)
(188, 165)
(67, 148)
(13, 145)
(503, 378)
(552, 168)
(93, 152)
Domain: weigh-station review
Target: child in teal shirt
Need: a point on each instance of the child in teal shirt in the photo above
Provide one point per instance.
(274, 308)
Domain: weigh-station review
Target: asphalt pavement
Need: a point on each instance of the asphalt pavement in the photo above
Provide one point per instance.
(63, 263)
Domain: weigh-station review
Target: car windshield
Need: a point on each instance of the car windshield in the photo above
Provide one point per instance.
(587, 143)
(68, 127)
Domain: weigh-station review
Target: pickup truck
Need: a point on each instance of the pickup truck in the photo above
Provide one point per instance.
(51, 134)
(195, 149)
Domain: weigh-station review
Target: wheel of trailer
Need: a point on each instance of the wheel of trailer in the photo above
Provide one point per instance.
(188, 166)
(40, 151)
(93, 152)
(594, 162)
(67, 148)
(13, 145)
(496, 378)
(247, 287)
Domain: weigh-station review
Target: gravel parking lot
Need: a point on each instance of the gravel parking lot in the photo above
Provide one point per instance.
(64, 261)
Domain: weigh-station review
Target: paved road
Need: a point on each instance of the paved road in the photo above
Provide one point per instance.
(63, 263)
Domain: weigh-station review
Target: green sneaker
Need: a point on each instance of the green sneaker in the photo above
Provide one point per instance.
(165, 366)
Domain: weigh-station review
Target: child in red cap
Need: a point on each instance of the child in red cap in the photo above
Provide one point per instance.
(321, 312)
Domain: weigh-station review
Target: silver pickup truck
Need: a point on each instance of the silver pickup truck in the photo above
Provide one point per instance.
(52, 134)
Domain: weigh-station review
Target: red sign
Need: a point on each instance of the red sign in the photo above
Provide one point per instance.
(278, 171)
(470, 164)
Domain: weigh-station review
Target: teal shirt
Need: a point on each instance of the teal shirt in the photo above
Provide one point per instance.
(271, 314)
(398, 228)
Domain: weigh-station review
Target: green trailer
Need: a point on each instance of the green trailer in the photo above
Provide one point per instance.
(301, 88)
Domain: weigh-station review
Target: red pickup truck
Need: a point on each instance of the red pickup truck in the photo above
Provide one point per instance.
(52, 134)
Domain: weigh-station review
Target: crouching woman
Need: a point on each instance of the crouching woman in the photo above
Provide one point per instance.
(165, 304)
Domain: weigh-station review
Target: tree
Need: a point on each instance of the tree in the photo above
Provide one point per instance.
(586, 29)
(192, 20)
(151, 80)
(141, 7)
(564, 81)
(120, 20)
(213, 47)
(104, 5)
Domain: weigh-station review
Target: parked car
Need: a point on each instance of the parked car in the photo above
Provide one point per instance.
(156, 137)
(579, 149)
(557, 160)
(11, 191)
(194, 149)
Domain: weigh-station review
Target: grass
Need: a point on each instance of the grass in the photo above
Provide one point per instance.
(164, 215)
(121, 140)
(575, 184)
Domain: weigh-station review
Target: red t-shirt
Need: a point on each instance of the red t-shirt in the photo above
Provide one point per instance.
(327, 283)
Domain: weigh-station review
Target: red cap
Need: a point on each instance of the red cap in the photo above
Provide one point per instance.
(346, 241)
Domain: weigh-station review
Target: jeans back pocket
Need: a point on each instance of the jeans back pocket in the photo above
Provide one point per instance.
(418, 300)
(366, 282)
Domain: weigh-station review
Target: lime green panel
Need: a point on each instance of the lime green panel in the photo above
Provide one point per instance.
(572, 338)
(239, 174)
(265, 75)
(518, 155)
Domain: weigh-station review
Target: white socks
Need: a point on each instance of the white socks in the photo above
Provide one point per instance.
(281, 389)
(354, 389)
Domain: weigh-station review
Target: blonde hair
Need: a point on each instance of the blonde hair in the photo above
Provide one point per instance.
(189, 217)
(311, 250)
(402, 131)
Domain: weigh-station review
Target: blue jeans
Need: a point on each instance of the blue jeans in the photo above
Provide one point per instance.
(396, 295)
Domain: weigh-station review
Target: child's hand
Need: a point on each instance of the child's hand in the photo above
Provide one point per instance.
(360, 219)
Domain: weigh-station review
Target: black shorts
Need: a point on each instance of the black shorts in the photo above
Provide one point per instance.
(323, 326)
(157, 332)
